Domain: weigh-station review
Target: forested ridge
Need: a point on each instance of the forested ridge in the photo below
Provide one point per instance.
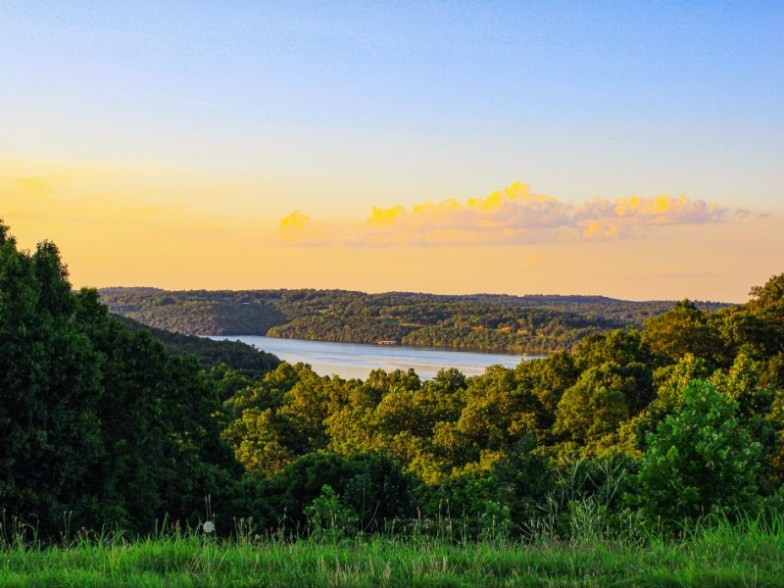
(105, 427)
(484, 322)
(243, 358)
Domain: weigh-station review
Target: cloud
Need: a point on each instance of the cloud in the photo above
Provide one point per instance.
(300, 229)
(510, 216)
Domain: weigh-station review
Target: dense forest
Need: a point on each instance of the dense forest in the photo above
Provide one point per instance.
(103, 426)
(484, 322)
(243, 358)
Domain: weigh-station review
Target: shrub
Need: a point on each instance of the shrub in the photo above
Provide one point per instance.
(327, 517)
(699, 461)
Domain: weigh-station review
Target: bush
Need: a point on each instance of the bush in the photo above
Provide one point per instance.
(699, 461)
(372, 485)
(327, 517)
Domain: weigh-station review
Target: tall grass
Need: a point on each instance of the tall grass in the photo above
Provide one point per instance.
(713, 552)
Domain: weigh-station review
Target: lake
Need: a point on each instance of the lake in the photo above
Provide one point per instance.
(353, 360)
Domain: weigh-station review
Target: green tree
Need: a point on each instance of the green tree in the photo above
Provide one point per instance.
(50, 435)
(548, 379)
(681, 330)
(623, 347)
(326, 516)
(768, 305)
(596, 405)
(769, 296)
(699, 460)
(95, 420)
(372, 485)
(160, 419)
(672, 381)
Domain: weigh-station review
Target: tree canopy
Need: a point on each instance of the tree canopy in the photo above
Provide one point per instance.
(101, 420)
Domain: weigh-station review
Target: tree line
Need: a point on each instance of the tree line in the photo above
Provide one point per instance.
(105, 427)
(243, 358)
(483, 322)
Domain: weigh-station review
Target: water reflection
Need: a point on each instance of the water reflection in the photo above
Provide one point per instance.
(352, 360)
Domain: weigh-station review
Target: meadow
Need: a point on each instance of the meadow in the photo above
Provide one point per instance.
(713, 552)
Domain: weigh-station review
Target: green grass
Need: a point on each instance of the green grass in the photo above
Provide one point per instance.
(750, 554)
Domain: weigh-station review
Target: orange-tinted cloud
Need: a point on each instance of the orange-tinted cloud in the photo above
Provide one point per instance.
(513, 215)
(298, 228)
(611, 219)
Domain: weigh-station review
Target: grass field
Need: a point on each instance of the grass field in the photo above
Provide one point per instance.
(750, 554)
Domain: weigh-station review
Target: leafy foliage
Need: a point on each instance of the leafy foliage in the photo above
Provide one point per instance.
(102, 420)
(699, 460)
(96, 421)
(519, 324)
(240, 357)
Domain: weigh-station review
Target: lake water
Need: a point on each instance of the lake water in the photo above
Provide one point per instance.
(352, 360)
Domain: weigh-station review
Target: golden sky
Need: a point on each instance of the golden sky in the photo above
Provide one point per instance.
(155, 226)
(630, 149)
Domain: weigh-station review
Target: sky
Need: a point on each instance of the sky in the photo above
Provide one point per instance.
(629, 149)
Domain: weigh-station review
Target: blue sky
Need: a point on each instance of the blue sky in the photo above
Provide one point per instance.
(335, 107)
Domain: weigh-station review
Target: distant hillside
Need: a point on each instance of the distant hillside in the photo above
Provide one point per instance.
(236, 355)
(486, 322)
(198, 312)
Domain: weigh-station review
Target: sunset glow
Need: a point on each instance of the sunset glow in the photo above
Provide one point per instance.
(631, 151)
